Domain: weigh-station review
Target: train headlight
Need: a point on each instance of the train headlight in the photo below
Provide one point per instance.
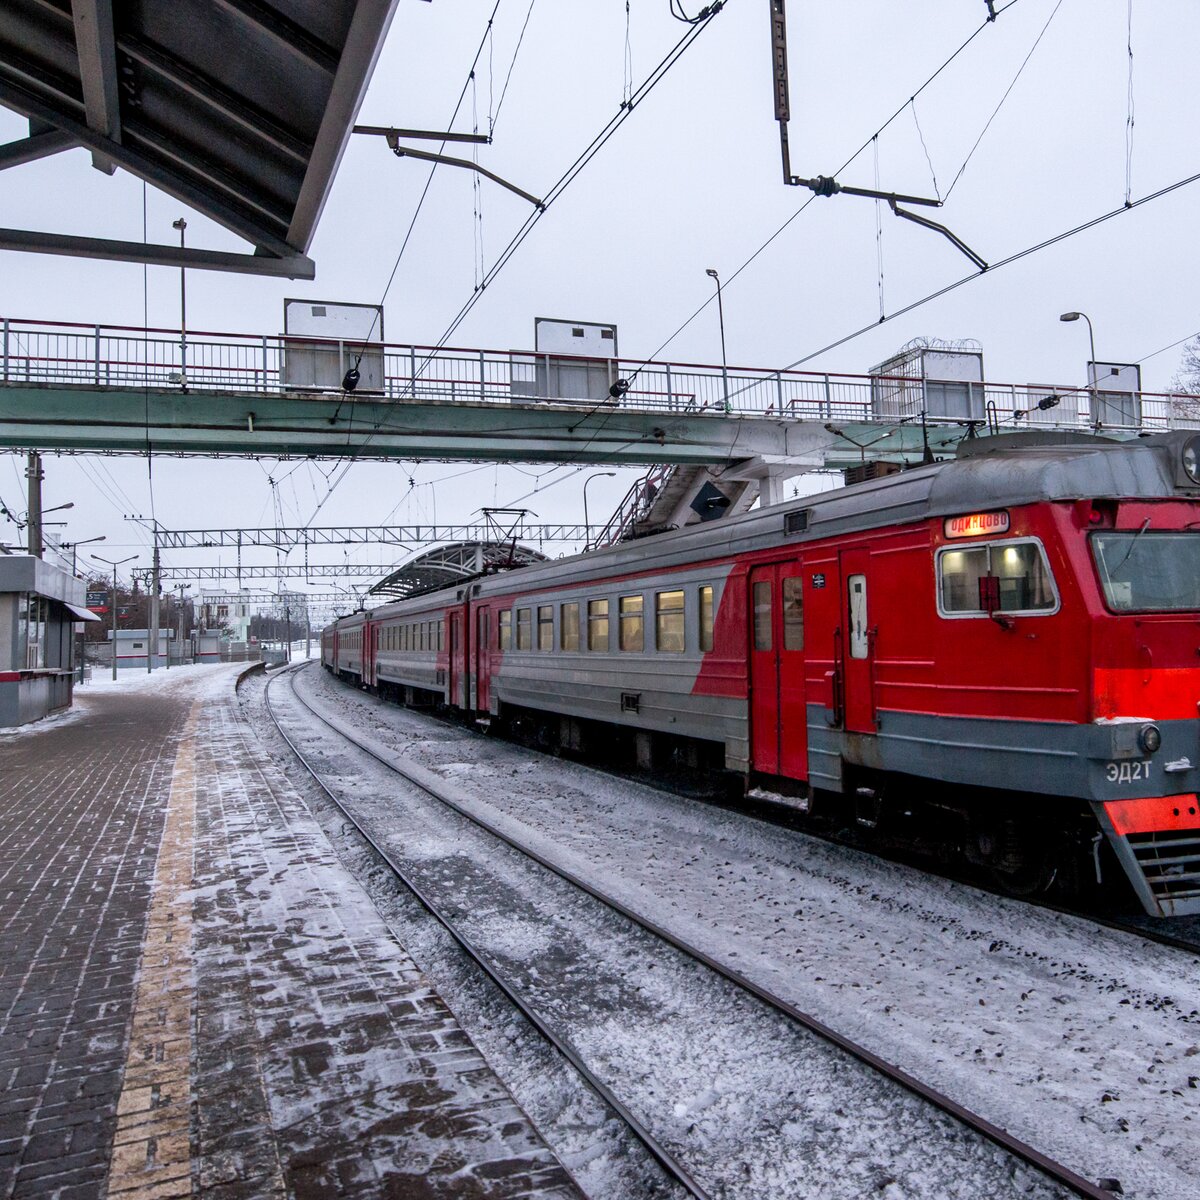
(1149, 738)
(1191, 459)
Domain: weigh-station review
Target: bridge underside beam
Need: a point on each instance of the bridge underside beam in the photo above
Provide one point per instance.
(98, 420)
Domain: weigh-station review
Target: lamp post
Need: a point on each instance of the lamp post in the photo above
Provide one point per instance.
(1075, 316)
(73, 546)
(108, 562)
(712, 274)
(587, 524)
(181, 225)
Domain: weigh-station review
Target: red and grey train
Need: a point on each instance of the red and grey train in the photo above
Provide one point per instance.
(1000, 652)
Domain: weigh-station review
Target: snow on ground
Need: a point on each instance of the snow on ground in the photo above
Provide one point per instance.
(1081, 1041)
(754, 1106)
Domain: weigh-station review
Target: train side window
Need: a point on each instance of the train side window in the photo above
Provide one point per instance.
(597, 624)
(568, 627)
(1015, 574)
(706, 618)
(505, 639)
(668, 622)
(422, 644)
(545, 630)
(441, 634)
(633, 627)
(762, 615)
(793, 613)
(524, 629)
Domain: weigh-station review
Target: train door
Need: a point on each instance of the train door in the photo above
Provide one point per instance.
(368, 653)
(481, 677)
(457, 660)
(858, 642)
(778, 704)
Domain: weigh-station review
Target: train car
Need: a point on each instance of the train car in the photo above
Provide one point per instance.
(999, 653)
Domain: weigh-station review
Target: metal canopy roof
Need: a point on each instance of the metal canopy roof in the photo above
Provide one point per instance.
(239, 108)
(449, 566)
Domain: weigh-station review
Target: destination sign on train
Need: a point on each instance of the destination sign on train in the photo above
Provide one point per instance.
(976, 524)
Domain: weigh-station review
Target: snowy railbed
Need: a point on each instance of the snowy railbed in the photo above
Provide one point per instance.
(1081, 1041)
(751, 1104)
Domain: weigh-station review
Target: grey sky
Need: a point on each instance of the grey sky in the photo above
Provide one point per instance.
(691, 181)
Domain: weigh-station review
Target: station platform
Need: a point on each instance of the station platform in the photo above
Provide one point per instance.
(197, 998)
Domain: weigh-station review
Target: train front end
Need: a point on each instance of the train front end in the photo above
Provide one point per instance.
(1144, 555)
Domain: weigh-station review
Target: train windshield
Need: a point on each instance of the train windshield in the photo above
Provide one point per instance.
(1142, 571)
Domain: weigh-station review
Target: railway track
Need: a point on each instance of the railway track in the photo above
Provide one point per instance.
(1053, 1171)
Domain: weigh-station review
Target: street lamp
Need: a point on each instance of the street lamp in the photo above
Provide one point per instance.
(181, 225)
(587, 524)
(1075, 316)
(108, 562)
(721, 317)
(73, 546)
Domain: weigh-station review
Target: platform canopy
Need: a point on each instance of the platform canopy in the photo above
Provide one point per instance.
(449, 566)
(241, 109)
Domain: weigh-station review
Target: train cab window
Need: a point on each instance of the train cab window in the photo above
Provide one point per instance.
(524, 629)
(762, 615)
(545, 639)
(1144, 571)
(668, 622)
(633, 628)
(999, 576)
(792, 599)
(505, 639)
(568, 627)
(597, 624)
(706, 618)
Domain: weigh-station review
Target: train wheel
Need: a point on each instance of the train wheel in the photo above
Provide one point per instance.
(1017, 860)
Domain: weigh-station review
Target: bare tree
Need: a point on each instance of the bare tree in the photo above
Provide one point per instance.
(1186, 384)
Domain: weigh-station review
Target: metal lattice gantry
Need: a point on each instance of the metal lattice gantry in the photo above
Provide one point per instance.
(239, 108)
(401, 536)
(221, 573)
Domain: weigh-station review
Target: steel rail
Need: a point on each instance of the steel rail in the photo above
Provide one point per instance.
(1058, 1172)
(657, 1151)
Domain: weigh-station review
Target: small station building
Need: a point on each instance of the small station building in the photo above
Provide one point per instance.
(132, 647)
(40, 607)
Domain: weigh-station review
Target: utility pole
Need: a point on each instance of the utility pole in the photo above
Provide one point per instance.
(287, 616)
(180, 588)
(155, 585)
(108, 562)
(35, 475)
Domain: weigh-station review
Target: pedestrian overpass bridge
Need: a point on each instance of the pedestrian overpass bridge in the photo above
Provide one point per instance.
(112, 389)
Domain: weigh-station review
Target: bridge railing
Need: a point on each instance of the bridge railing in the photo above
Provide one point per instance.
(111, 356)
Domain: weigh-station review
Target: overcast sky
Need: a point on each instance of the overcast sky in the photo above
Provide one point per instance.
(691, 181)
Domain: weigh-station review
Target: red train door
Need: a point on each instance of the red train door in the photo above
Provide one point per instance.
(457, 659)
(482, 646)
(778, 708)
(858, 642)
(368, 654)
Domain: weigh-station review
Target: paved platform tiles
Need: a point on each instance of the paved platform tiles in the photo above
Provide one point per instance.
(196, 998)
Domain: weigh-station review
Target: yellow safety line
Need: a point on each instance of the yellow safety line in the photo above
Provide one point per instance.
(151, 1156)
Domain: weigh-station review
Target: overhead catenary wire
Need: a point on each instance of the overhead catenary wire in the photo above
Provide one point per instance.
(555, 192)
(1017, 256)
(765, 245)
(1129, 103)
(1000, 105)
